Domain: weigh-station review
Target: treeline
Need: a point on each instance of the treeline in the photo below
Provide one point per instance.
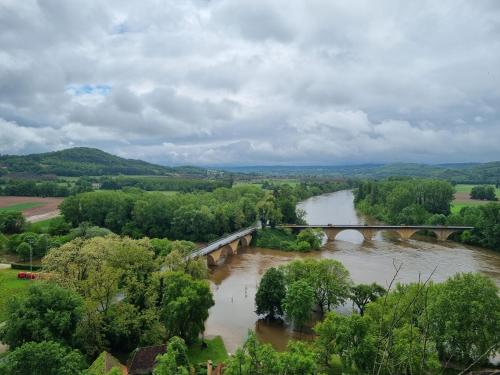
(192, 216)
(405, 201)
(29, 188)
(415, 202)
(164, 183)
(416, 328)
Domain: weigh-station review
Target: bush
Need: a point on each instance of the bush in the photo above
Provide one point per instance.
(12, 222)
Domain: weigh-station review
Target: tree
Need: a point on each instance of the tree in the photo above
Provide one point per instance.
(253, 358)
(43, 358)
(328, 278)
(464, 317)
(47, 312)
(12, 222)
(298, 358)
(184, 304)
(349, 337)
(298, 302)
(483, 192)
(312, 236)
(270, 294)
(24, 250)
(175, 360)
(362, 294)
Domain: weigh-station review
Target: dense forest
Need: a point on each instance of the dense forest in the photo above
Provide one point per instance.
(422, 201)
(83, 161)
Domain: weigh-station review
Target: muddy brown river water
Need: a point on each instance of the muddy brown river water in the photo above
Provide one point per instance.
(234, 283)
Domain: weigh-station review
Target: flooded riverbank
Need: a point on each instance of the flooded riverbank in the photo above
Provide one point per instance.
(234, 283)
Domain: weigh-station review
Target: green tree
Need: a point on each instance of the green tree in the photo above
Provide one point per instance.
(270, 294)
(298, 302)
(464, 317)
(298, 358)
(12, 222)
(47, 312)
(24, 250)
(350, 338)
(328, 278)
(362, 294)
(184, 304)
(175, 361)
(254, 358)
(43, 358)
(312, 236)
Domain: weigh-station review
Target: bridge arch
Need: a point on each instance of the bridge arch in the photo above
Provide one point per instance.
(367, 233)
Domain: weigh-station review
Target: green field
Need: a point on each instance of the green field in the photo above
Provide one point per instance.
(216, 351)
(10, 286)
(21, 206)
(466, 188)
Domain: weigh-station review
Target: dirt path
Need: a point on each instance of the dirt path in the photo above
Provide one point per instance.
(48, 215)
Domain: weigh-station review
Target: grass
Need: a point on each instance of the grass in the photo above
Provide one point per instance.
(10, 286)
(457, 206)
(216, 351)
(21, 206)
(42, 226)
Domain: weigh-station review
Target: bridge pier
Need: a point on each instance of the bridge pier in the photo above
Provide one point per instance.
(245, 241)
(406, 233)
(367, 233)
(443, 234)
(331, 233)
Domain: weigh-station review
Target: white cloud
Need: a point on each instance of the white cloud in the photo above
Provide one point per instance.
(224, 82)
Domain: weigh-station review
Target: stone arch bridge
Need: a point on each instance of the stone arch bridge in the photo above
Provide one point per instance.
(219, 249)
(442, 232)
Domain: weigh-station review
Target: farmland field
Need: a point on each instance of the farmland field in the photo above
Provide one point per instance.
(33, 208)
(462, 198)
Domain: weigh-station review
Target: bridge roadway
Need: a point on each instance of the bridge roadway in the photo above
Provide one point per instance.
(230, 243)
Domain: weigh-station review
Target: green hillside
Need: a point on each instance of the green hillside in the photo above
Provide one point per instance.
(83, 161)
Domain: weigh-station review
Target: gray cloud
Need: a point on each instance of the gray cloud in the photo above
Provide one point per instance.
(253, 82)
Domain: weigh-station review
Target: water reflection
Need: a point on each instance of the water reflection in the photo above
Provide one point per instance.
(234, 284)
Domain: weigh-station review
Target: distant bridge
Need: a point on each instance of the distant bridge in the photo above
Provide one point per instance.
(368, 231)
(229, 244)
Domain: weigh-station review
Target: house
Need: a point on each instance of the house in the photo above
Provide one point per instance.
(143, 360)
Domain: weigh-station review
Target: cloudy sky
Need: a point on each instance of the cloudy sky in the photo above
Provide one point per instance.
(253, 82)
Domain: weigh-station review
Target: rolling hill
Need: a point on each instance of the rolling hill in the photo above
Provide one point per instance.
(84, 161)
(459, 172)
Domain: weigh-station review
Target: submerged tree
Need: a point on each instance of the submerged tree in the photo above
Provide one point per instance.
(270, 294)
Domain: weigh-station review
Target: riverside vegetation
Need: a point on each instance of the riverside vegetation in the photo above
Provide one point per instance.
(420, 201)
(412, 328)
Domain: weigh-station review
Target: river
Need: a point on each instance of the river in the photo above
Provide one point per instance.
(234, 283)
